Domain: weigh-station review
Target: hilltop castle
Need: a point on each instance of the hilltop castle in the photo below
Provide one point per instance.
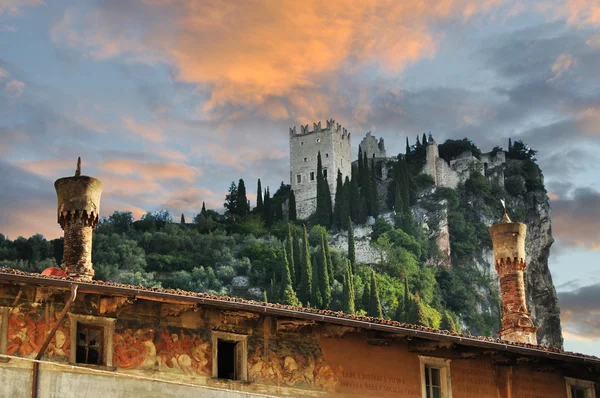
(333, 142)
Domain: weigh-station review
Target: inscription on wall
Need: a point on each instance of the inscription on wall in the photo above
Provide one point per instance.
(530, 384)
(473, 379)
(379, 383)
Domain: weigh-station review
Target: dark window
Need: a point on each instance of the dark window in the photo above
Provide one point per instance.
(433, 382)
(312, 175)
(325, 173)
(577, 392)
(90, 344)
(226, 360)
(299, 178)
(305, 159)
(326, 155)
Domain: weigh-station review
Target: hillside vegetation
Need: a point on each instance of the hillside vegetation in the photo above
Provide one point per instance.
(258, 254)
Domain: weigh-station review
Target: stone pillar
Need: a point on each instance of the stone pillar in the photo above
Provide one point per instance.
(508, 239)
(78, 215)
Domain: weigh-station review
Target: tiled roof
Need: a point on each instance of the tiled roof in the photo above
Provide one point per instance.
(359, 321)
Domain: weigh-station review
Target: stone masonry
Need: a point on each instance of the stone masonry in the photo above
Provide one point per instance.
(333, 142)
(509, 258)
(372, 147)
(78, 215)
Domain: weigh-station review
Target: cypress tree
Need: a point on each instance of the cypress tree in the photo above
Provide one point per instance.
(422, 317)
(360, 162)
(323, 215)
(265, 296)
(292, 207)
(297, 257)
(366, 297)
(305, 287)
(509, 144)
(374, 302)
(324, 274)
(267, 211)
(351, 247)
(345, 205)
(259, 197)
(182, 221)
(289, 250)
(316, 298)
(328, 257)
(288, 296)
(354, 196)
(374, 199)
(339, 193)
(418, 143)
(243, 208)
(406, 314)
(424, 139)
(407, 146)
(348, 290)
(203, 211)
(273, 290)
(447, 322)
(365, 187)
(231, 200)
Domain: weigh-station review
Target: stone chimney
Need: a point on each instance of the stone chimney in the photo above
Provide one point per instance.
(508, 239)
(78, 214)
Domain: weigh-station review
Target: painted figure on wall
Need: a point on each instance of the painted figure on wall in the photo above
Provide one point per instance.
(291, 364)
(27, 333)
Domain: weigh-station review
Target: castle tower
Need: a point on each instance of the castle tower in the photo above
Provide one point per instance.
(333, 142)
(508, 239)
(431, 157)
(78, 214)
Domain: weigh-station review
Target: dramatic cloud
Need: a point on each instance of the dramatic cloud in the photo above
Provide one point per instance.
(151, 171)
(580, 314)
(576, 219)
(148, 131)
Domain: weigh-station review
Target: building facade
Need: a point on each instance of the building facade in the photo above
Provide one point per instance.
(333, 143)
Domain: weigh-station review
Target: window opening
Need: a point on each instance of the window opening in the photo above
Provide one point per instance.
(318, 140)
(299, 178)
(577, 392)
(325, 173)
(305, 160)
(312, 175)
(433, 382)
(226, 359)
(326, 155)
(301, 142)
(90, 344)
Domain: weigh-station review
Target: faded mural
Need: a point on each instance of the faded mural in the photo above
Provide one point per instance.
(290, 363)
(173, 350)
(27, 331)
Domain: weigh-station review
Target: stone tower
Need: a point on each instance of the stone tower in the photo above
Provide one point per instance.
(508, 239)
(333, 142)
(431, 157)
(78, 214)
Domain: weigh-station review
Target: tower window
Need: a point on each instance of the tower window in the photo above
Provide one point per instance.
(312, 175)
(325, 173)
(326, 155)
(318, 140)
(299, 178)
(305, 160)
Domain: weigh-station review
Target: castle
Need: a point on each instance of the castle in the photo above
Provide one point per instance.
(333, 143)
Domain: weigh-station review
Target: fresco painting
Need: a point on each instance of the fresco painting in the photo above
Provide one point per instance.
(181, 351)
(291, 364)
(27, 332)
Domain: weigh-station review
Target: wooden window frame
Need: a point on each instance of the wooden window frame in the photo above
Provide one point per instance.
(108, 326)
(241, 354)
(443, 365)
(589, 387)
(4, 314)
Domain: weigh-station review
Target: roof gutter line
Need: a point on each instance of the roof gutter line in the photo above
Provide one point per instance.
(61, 317)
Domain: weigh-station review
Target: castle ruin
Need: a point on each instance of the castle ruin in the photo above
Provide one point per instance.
(333, 142)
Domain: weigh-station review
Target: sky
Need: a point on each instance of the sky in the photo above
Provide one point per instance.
(168, 101)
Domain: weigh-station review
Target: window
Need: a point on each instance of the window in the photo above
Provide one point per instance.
(325, 173)
(435, 377)
(230, 356)
(301, 142)
(318, 140)
(305, 160)
(326, 155)
(92, 337)
(90, 344)
(299, 178)
(312, 175)
(577, 388)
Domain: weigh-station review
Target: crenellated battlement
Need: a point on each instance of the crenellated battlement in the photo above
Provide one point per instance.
(504, 266)
(331, 127)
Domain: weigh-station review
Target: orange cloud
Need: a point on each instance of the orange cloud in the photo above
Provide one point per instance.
(145, 130)
(50, 168)
(562, 63)
(14, 88)
(240, 159)
(192, 198)
(249, 52)
(171, 154)
(575, 12)
(152, 171)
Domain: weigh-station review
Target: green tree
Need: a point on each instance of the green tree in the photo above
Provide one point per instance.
(259, 197)
(305, 288)
(424, 140)
(324, 280)
(243, 207)
(231, 200)
(373, 191)
(448, 322)
(324, 211)
(203, 211)
(407, 146)
(289, 247)
(366, 297)
(274, 290)
(267, 210)
(348, 290)
(288, 296)
(292, 216)
(344, 208)
(339, 193)
(328, 256)
(374, 301)
(316, 299)
(421, 311)
(355, 202)
(298, 263)
(182, 220)
(351, 247)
